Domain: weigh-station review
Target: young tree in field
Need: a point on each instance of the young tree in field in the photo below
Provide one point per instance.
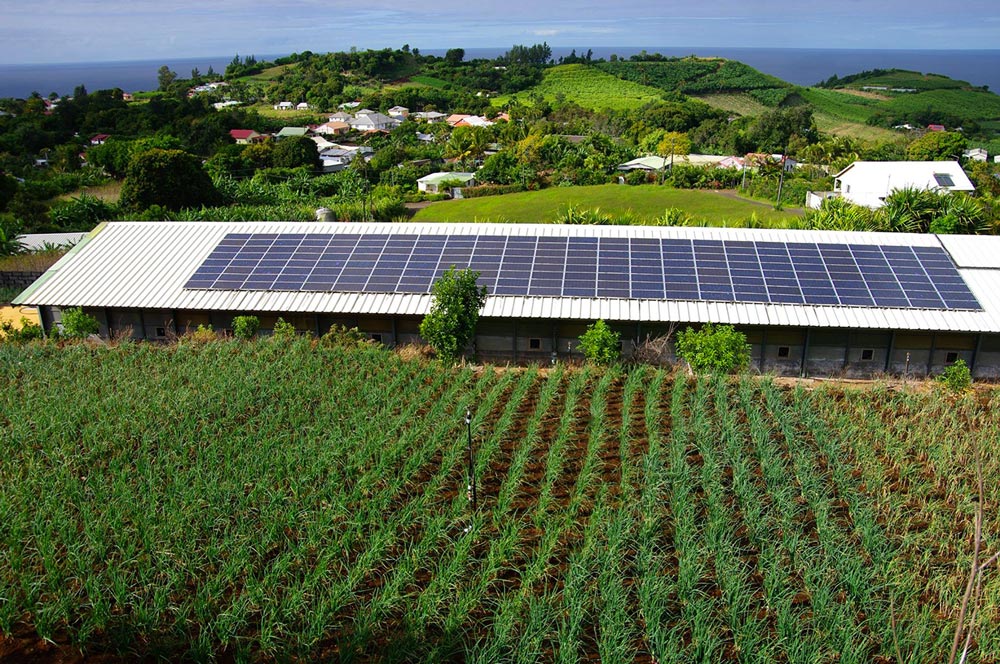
(451, 322)
(172, 179)
(713, 349)
(600, 344)
(165, 77)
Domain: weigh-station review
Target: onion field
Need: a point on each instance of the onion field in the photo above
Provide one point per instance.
(287, 500)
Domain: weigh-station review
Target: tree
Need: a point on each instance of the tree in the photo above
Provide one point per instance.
(713, 349)
(600, 344)
(295, 151)
(245, 327)
(454, 56)
(451, 322)
(172, 179)
(937, 145)
(165, 77)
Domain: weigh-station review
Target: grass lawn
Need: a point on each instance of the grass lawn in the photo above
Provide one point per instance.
(712, 208)
(110, 192)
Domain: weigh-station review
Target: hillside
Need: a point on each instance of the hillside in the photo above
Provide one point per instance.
(292, 502)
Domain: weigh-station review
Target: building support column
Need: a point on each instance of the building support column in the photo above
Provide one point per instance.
(515, 341)
(316, 325)
(395, 336)
(975, 353)
(930, 356)
(892, 349)
(142, 325)
(805, 354)
(107, 322)
(847, 352)
(763, 349)
(176, 325)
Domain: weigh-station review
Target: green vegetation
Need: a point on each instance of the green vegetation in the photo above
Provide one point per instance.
(715, 349)
(600, 344)
(957, 378)
(78, 325)
(647, 203)
(587, 87)
(693, 75)
(257, 501)
(27, 331)
(245, 327)
(451, 323)
(283, 330)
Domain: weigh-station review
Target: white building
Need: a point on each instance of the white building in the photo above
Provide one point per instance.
(868, 183)
(431, 184)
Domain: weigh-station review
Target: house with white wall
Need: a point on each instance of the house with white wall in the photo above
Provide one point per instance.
(868, 183)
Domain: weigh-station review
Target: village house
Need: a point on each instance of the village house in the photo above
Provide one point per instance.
(289, 132)
(868, 183)
(429, 116)
(373, 121)
(432, 184)
(283, 106)
(245, 136)
(333, 128)
(100, 139)
(398, 112)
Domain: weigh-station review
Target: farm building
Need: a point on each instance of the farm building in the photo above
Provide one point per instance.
(810, 302)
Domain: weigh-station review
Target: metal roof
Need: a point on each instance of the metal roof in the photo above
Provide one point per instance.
(146, 264)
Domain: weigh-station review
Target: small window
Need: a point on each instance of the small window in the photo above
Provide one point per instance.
(951, 357)
(867, 354)
(376, 337)
(534, 343)
(161, 332)
(784, 351)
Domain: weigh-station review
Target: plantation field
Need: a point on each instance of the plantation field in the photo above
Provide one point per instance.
(285, 500)
(740, 103)
(429, 81)
(970, 104)
(840, 104)
(646, 202)
(589, 87)
(900, 78)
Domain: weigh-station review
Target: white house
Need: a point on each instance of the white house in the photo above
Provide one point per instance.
(283, 106)
(975, 154)
(373, 121)
(868, 183)
(651, 163)
(429, 116)
(432, 183)
(400, 112)
(302, 106)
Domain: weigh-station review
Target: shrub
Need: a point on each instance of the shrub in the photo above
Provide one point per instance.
(600, 344)
(203, 334)
(27, 332)
(78, 325)
(340, 335)
(284, 330)
(245, 327)
(713, 349)
(956, 378)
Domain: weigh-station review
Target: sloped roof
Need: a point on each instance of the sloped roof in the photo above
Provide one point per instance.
(146, 265)
(888, 176)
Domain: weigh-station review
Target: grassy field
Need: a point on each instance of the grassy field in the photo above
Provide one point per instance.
(429, 81)
(287, 501)
(588, 87)
(648, 202)
(972, 104)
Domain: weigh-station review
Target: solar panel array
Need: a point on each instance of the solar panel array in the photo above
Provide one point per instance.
(613, 267)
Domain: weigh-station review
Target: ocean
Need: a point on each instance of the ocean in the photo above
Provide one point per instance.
(799, 66)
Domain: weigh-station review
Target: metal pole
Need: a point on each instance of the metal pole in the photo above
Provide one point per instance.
(472, 473)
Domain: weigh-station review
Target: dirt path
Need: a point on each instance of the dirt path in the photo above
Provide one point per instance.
(730, 193)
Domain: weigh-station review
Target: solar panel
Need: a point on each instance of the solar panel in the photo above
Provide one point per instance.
(614, 267)
(944, 180)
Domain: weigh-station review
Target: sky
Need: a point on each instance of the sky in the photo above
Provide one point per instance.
(48, 31)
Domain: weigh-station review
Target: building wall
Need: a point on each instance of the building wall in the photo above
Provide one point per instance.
(780, 351)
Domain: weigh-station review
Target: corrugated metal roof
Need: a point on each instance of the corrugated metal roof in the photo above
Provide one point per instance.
(146, 264)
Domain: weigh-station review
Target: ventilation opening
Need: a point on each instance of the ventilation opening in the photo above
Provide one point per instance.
(867, 355)
(376, 337)
(534, 344)
(161, 332)
(784, 351)
(951, 358)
